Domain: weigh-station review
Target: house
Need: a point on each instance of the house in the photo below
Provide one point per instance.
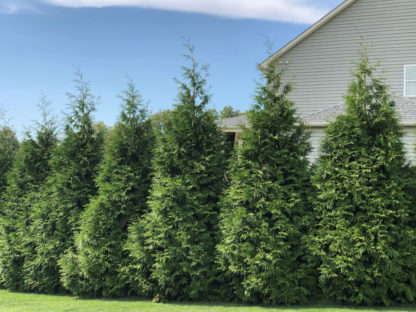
(319, 62)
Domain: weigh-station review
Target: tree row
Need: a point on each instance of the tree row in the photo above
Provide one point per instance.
(168, 210)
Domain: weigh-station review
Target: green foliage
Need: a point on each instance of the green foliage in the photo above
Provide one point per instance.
(123, 224)
(8, 149)
(228, 112)
(365, 235)
(101, 128)
(29, 171)
(265, 212)
(96, 266)
(173, 246)
(62, 199)
(159, 120)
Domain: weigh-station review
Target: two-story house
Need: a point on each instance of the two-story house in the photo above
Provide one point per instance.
(320, 60)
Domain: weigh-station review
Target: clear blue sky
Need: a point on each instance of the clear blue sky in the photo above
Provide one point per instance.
(42, 41)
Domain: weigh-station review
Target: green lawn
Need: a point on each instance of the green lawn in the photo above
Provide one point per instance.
(15, 302)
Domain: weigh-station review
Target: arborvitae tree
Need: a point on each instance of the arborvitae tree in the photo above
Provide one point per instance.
(264, 211)
(61, 201)
(29, 171)
(8, 148)
(365, 237)
(176, 239)
(95, 268)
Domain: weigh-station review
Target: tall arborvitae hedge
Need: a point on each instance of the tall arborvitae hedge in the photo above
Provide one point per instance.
(63, 198)
(365, 236)
(265, 210)
(176, 240)
(29, 171)
(96, 266)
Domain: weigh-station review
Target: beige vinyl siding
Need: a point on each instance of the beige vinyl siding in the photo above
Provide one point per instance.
(320, 65)
(409, 142)
(317, 134)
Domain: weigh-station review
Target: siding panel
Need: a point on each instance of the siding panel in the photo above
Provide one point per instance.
(409, 141)
(317, 134)
(320, 65)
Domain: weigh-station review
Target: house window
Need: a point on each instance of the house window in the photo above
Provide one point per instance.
(410, 80)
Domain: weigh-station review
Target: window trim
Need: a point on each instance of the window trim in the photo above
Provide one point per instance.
(405, 81)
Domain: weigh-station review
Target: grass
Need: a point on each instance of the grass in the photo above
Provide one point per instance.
(17, 302)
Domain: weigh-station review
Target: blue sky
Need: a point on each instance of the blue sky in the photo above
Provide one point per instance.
(43, 41)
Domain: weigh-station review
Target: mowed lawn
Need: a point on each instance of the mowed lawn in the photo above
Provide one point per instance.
(13, 302)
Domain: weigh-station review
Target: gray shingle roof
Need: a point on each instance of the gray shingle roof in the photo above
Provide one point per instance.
(324, 116)
(406, 108)
(234, 122)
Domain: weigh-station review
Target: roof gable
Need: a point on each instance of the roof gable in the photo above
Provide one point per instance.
(308, 32)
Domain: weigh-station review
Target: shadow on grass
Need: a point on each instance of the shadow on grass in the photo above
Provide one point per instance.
(409, 308)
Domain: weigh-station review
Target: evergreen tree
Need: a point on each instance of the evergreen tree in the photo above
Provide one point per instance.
(29, 171)
(95, 268)
(265, 211)
(173, 245)
(63, 198)
(228, 112)
(365, 235)
(8, 148)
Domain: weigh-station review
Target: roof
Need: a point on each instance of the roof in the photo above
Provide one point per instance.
(322, 117)
(406, 108)
(324, 20)
(233, 122)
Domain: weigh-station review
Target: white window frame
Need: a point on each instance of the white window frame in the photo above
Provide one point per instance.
(406, 81)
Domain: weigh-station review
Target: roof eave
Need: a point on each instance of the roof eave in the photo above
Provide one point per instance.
(308, 125)
(233, 129)
(316, 125)
(328, 17)
(324, 125)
